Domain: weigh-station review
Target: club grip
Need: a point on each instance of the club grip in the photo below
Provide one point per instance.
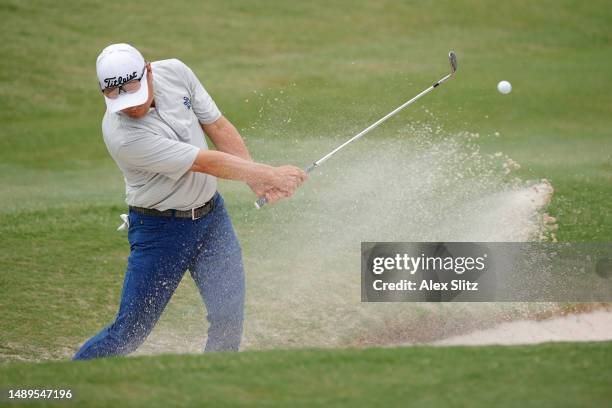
(261, 201)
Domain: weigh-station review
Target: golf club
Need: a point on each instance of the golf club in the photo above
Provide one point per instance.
(452, 57)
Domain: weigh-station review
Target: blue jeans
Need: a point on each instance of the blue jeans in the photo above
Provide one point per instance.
(162, 249)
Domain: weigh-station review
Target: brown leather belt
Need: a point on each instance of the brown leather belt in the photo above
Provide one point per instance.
(194, 213)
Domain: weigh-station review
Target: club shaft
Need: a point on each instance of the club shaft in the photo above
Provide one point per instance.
(376, 124)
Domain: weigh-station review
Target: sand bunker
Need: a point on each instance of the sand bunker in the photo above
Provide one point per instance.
(594, 326)
(419, 185)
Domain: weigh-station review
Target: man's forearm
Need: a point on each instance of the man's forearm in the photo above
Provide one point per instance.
(226, 138)
(233, 161)
(231, 167)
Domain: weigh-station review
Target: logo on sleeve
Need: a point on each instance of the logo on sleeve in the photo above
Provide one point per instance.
(187, 102)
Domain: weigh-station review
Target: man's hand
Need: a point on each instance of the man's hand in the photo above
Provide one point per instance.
(271, 195)
(281, 183)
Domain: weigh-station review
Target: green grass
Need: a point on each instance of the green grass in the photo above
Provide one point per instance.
(550, 375)
(334, 68)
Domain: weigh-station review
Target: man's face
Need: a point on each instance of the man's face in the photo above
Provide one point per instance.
(137, 112)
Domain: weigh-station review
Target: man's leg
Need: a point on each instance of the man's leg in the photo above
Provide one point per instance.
(156, 265)
(219, 274)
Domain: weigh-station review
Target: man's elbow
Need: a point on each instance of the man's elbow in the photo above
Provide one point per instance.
(198, 163)
(197, 168)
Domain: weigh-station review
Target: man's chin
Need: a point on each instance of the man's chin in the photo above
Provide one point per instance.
(136, 112)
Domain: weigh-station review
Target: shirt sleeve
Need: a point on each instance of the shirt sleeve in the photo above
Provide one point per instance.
(156, 154)
(202, 104)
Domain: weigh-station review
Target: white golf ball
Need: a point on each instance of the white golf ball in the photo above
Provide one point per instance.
(504, 87)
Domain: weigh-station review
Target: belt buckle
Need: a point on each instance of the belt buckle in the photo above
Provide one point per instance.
(204, 207)
(193, 217)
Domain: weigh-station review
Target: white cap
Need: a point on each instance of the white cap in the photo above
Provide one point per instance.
(116, 65)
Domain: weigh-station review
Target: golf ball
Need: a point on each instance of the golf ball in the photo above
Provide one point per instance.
(504, 87)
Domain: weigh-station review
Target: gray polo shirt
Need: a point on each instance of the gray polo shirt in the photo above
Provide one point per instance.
(155, 152)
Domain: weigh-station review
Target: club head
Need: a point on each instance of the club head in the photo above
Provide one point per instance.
(452, 58)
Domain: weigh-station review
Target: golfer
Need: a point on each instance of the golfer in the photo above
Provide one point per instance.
(156, 117)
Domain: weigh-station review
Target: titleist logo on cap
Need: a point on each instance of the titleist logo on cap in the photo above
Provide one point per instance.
(116, 81)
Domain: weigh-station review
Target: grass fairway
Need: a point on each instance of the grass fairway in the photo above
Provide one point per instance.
(295, 78)
(550, 375)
